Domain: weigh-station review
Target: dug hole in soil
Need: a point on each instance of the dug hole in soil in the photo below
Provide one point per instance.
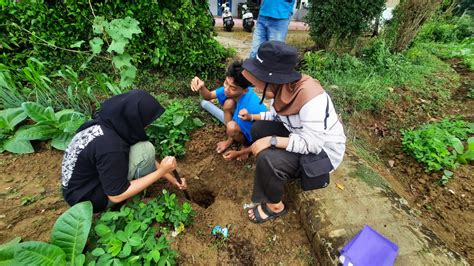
(30, 203)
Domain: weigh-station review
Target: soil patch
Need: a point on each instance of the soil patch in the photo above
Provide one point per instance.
(218, 188)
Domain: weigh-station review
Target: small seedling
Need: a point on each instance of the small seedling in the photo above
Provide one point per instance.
(27, 200)
(445, 178)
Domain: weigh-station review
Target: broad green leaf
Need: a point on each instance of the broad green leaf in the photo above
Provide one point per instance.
(18, 146)
(118, 45)
(197, 122)
(121, 60)
(96, 45)
(36, 132)
(468, 156)
(98, 26)
(39, 253)
(79, 260)
(7, 252)
(127, 250)
(470, 143)
(77, 44)
(102, 230)
(61, 141)
(114, 247)
(38, 113)
(127, 76)
(72, 228)
(177, 120)
(135, 240)
(11, 117)
(457, 145)
(154, 255)
(123, 28)
(121, 235)
(98, 252)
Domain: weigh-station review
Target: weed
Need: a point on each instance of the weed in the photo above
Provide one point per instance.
(433, 144)
(445, 178)
(27, 200)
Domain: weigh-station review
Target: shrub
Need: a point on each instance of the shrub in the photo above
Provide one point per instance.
(176, 34)
(342, 21)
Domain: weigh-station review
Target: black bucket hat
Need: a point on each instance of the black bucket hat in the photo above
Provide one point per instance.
(275, 63)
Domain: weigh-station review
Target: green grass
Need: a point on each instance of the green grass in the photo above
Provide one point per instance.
(368, 175)
(367, 82)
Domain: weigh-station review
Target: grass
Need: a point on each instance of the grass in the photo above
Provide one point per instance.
(368, 175)
(369, 81)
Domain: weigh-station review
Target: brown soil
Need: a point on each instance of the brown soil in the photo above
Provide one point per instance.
(217, 187)
(447, 210)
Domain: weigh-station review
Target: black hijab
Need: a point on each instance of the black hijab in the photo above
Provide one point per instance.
(128, 114)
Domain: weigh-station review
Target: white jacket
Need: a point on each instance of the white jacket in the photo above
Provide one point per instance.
(307, 132)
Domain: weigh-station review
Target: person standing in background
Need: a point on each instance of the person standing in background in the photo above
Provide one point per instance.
(272, 23)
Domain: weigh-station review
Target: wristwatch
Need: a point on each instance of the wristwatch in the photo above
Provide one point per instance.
(273, 142)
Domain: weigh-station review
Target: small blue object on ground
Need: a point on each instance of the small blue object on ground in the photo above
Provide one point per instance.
(368, 248)
(220, 232)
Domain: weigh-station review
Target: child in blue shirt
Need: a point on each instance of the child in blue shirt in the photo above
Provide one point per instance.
(235, 95)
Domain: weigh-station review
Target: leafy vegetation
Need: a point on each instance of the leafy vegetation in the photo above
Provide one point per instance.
(367, 82)
(439, 145)
(449, 37)
(176, 36)
(137, 234)
(341, 21)
(170, 132)
(68, 239)
(58, 127)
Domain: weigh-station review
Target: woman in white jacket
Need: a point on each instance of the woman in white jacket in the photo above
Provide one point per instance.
(302, 120)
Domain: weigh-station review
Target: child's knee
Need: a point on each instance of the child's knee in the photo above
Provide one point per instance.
(232, 128)
(229, 105)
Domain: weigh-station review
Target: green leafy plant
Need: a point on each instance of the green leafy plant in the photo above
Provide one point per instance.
(463, 156)
(9, 119)
(445, 178)
(60, 126)
(171, 131)
(68, 239)
(341, 21)
(434, 144)
(137, 233)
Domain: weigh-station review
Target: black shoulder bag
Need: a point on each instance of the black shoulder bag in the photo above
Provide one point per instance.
(315, 168)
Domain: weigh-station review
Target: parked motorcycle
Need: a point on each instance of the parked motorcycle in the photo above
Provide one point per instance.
(227, 19)
(247, 18)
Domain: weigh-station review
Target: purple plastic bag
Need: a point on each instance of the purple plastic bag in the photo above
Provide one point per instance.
(368, 248)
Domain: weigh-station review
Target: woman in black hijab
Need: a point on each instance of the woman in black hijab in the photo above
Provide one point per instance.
(109, 159)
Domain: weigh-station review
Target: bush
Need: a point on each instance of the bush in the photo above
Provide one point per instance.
(176, 34)
(446, 29)
(342, 21)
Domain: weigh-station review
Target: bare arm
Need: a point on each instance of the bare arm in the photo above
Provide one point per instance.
(198, 85)
(138, 185)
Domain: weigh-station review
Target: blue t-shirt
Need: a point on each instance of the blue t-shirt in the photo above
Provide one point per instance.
(278, 9)
(249, 101)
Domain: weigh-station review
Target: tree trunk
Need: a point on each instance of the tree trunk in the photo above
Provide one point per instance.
(413, 14)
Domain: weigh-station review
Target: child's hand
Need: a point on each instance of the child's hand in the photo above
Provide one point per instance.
(244, 115)
(196, 84)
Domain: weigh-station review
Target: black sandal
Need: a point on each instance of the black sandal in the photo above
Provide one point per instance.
(271, 214)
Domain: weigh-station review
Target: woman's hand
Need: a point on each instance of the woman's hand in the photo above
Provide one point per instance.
(260, 145)
(174, 181)
(197, 84)
(244, 115)
(168, 164)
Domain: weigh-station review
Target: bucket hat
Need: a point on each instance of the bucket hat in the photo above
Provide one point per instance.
(274, 63)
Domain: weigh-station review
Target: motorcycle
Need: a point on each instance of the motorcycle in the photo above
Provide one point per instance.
(247, 18)
(227, 19)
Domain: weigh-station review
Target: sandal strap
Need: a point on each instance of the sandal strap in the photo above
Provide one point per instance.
(256, 213)
(267, 210)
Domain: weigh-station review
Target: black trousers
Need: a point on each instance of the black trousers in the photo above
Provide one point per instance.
(274, 166)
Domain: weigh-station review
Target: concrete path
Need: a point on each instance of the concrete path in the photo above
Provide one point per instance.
(294, 25)
(358, 196)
